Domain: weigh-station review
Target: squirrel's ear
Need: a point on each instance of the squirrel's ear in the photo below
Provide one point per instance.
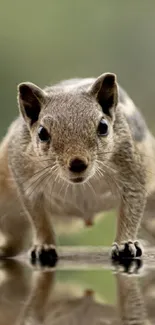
(106, 93)
(31, 99)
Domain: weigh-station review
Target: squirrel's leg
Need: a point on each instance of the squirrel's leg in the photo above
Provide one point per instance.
(44, 250)
(133, 199)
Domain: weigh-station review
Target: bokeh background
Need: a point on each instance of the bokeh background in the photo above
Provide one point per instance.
(46, 41)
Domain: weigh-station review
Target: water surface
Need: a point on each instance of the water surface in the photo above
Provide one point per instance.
(84, 288)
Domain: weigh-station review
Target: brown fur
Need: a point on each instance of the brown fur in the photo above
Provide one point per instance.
(35, 181)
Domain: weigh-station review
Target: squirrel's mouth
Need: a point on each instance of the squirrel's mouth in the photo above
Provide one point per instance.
(77, 179)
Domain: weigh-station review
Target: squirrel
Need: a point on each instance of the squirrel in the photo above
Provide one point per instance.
(78, 147)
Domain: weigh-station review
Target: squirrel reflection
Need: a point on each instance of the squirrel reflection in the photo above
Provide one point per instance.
(34, 297)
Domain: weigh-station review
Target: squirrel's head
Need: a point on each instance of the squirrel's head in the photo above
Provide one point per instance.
(71, 127)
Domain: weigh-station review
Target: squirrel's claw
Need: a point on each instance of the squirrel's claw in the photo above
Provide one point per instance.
(126, 250)
(45, 255)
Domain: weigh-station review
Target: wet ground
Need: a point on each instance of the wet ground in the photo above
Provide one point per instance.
(84, 288)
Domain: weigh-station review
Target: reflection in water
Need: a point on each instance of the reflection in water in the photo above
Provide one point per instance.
(35, 297)
(131, 304)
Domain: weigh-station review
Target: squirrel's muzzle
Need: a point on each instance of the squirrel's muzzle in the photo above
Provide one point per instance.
(77, 165)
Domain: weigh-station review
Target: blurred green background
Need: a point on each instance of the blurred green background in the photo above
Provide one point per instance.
(46, 41)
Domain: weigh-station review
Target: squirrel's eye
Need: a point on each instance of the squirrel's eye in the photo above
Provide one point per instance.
(43, 134)
(103, 128)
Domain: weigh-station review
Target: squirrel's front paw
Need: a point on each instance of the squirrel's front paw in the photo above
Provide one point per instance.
(125, 250)
(45, 255)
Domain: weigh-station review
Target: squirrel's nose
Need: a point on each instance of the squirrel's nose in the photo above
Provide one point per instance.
(77, 165)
